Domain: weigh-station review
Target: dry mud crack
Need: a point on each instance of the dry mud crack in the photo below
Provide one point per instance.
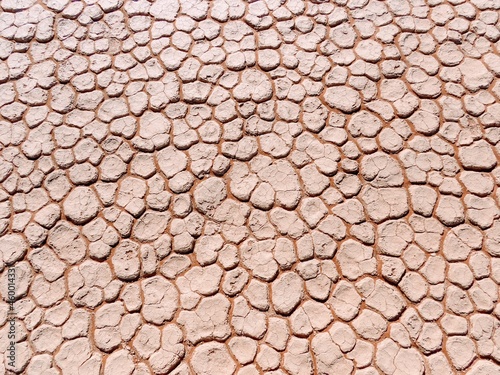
(249, 187)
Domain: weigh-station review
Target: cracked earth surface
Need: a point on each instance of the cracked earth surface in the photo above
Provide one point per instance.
(267, 187)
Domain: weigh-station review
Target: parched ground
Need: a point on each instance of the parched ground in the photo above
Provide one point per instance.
(250, 187)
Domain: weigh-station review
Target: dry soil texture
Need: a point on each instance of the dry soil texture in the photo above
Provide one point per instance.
(250, 187)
